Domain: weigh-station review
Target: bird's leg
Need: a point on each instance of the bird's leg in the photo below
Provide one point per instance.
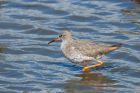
(86, 68)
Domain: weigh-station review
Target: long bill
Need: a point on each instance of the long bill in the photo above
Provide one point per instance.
(55, 40)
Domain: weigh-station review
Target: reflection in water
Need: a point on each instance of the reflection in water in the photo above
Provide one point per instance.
(131, 11)
(133, 14)
(2, 48)
(136, 1)
(29, 65)
(90, 81)
(128, 32)
(25, 92)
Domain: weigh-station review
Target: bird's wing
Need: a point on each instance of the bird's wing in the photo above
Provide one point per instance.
(91, 48)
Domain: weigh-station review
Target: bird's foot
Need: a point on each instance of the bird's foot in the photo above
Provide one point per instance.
(85, 70)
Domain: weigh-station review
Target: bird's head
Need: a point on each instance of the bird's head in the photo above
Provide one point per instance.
(65, 35)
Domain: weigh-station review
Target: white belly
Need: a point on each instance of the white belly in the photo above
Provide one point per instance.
(74, 55)
(78, 57)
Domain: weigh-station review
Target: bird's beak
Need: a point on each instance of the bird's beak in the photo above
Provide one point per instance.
(55, 40)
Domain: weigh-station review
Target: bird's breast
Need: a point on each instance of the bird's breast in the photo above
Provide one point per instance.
(73, 54)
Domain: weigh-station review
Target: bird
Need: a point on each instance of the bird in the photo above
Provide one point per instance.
(82, 51)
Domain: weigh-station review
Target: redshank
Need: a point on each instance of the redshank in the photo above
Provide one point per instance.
(83, 52)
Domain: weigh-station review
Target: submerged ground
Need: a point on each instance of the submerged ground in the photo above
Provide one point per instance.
(28, 64)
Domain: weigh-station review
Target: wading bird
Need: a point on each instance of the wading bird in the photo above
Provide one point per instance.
(83, 52)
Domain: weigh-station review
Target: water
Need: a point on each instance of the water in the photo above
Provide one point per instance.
(29, 65)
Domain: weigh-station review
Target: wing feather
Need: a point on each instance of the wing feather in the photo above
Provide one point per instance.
(91, 48)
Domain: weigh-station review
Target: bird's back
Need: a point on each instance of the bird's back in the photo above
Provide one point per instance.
(84, 51)
(92, 48)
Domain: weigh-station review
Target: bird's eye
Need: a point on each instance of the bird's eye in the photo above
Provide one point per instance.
(60, 35)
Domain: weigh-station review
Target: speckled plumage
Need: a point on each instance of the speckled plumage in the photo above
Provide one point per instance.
(83, 51)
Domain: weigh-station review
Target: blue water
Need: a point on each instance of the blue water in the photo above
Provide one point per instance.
(29, 65)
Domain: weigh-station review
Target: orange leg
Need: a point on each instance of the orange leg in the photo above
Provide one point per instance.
(86, 69)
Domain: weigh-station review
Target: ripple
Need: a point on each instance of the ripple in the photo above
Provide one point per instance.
(27, 17)
(80, 18)
(29, 64)
(40, 31)
(6, 25)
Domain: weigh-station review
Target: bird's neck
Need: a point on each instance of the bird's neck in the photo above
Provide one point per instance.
(67, 40)
(66, 43)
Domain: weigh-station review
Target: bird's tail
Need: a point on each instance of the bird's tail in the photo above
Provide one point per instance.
(115, 46)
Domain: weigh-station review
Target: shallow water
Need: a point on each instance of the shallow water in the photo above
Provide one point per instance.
(29, 65)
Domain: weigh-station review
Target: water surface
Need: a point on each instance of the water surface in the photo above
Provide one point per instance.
(28, 64)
